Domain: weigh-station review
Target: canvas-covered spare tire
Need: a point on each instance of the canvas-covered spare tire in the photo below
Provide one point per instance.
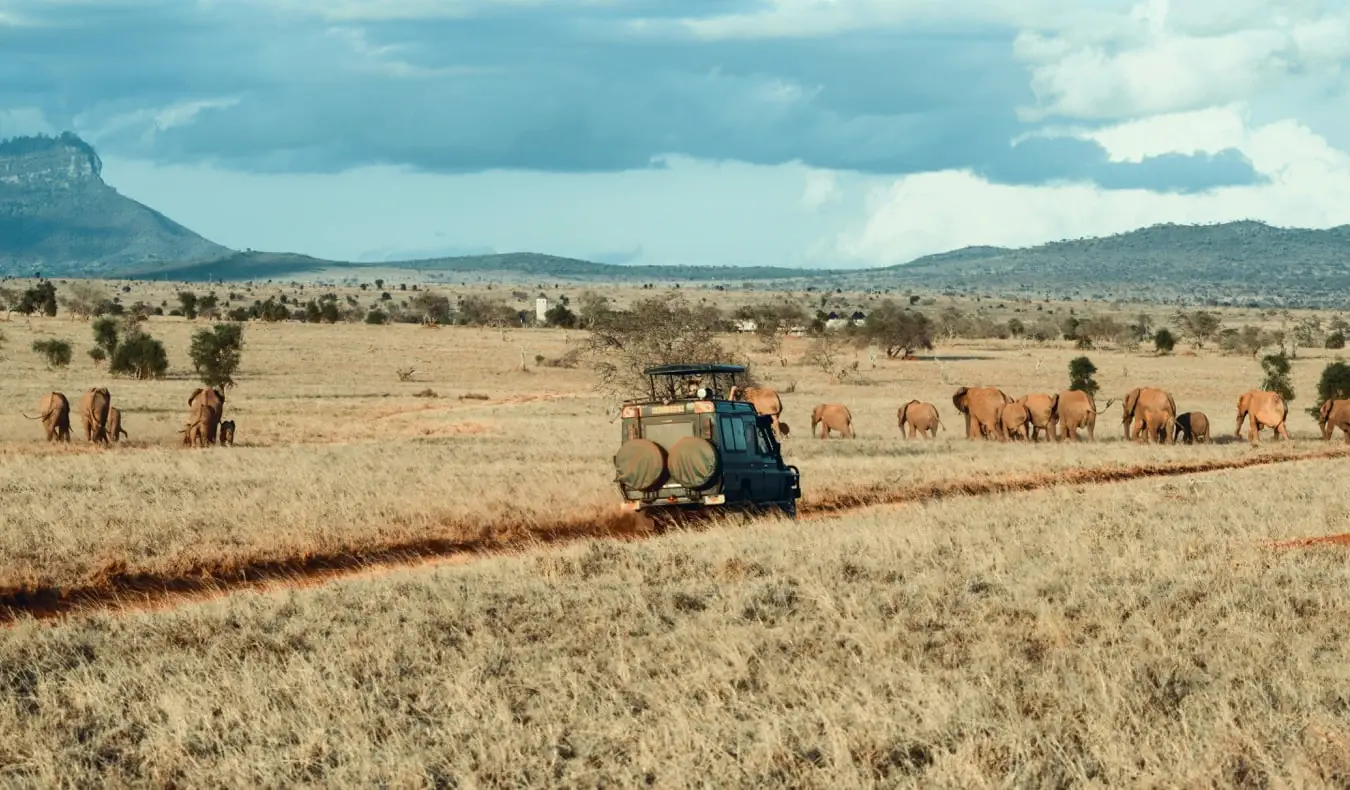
(692, 462)
(640, 463)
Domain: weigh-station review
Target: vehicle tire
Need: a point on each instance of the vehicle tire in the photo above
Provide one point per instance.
(692, 462)
(789, 509)
(640, 463)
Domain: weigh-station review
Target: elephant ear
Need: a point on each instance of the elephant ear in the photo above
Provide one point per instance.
(194, 395)
(959, 398)
(1054, 402)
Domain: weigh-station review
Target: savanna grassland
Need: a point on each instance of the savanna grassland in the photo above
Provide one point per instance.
(1126, 634)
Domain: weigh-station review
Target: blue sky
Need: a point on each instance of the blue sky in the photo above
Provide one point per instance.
(790, 132)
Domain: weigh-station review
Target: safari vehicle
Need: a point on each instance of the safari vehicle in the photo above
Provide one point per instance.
(686, 448)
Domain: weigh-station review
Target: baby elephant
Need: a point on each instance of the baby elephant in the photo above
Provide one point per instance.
(1016, 418)
(832, 417)
(1192, 427)
(226, 433)
(114, 427)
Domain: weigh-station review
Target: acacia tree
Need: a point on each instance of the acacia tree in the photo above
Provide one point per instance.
(1277, 367)
(1081, 371)
(661, 330)
(897, 330)
(1200, 326)
(216, 352)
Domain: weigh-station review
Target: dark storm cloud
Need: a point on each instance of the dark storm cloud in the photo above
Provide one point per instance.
(555, 88)
(1041, 159)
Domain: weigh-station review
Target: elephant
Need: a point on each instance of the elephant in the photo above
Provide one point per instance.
(1334, 414)
(983, 409)
(94, 412)
(115, 424)
(1016, 418)
(54, 411)
(195, 431)
(214, 400)
(832, 417)
(1041, 412)
(1192, 427)
(1075, 409)
(766, 402)
(1266, 409)
(922, 419)
(1149, 409)
(227, 433)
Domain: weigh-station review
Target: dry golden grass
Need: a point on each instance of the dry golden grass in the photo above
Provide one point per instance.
(336, 454)
(1133, 634)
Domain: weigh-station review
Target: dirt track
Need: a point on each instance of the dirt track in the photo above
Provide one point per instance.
(121, 592)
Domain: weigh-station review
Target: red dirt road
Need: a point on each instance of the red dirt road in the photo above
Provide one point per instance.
(146, 591)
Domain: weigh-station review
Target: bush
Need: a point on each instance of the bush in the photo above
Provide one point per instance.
(1277, 369)
(1081, 371)
(56, 352)
(1334, 384)
(559, 315)
(1164, 341)
(896, 330)
(377, 316)
(1336, 340)
(98, 355)
(216, 352)
(141, 356)
(41, 298)
(188, 300)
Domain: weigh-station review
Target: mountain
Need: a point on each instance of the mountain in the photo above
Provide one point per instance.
(1236, 262)
(58, 216)
(271, 265)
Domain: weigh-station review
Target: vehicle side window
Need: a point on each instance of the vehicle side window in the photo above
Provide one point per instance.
(752, 438)
(761, 440)
(732, 434)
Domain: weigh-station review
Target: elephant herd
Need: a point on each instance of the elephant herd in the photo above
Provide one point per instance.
(103, 422)
(1148, 414)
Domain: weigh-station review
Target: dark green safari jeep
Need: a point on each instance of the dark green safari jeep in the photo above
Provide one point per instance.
(686, 448)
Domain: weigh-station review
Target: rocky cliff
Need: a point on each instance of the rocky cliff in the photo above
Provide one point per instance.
(58, 216)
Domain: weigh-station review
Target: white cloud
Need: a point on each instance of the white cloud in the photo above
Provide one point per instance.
(149, 121)
(22, 121)
(1165, 59)
(935, 212)
(822, 187)
(389, 10)
(819, 18)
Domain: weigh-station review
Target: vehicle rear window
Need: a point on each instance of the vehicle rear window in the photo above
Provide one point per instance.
(732, 434)
(667, 434)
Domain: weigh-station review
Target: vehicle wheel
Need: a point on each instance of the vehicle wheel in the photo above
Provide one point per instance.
(789, 509)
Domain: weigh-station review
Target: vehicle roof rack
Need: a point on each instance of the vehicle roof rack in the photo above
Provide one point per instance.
(692, 370)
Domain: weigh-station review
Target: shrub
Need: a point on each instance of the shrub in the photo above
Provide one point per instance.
(40, 298)
(1277, 368)
(56, 352)
(141, 356)
(559, 315)
(896, 330)
(98, 355)
(1164, 341)
(377, 316)
(216, 352)
(188, 300)
(1081, 371)
(1334, 384)
(1336, 340)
